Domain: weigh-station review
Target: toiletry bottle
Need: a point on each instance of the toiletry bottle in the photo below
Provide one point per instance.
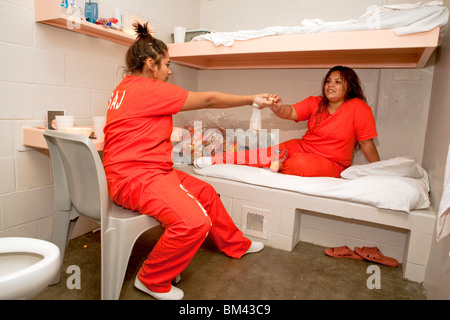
(64, 6)
(91, 11)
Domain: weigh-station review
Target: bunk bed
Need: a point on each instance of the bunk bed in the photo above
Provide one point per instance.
(396, 36)
(400, 36)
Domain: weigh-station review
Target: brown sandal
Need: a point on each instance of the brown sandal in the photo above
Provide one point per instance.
(374, 254)
(342, 252)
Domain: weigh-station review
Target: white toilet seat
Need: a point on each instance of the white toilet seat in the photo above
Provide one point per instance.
(29, 281)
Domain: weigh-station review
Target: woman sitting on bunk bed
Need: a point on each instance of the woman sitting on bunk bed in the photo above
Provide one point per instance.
(338, 120)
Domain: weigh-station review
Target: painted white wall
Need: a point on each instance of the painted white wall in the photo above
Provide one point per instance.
(234, 15)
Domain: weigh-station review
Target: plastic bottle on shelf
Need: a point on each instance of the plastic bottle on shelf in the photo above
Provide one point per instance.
(91, 11)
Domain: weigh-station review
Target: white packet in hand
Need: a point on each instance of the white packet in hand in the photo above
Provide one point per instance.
(255, 120)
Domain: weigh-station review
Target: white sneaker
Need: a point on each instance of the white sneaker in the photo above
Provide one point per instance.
(173, 294)
(256, 246)
(202, 162)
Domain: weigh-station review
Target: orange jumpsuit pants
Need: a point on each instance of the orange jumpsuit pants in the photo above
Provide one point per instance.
(191, 210)
(294, 160)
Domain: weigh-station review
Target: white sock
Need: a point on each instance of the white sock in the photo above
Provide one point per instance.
(202, 162)
(256, 246)
(174, 293)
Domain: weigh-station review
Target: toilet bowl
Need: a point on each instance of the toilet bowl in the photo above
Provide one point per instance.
(27, 266)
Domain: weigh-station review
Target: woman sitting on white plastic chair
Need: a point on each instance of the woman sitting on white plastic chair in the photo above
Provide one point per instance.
(138, 165)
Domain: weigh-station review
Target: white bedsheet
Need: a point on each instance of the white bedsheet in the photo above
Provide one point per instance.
(396, 184)
(401, 18)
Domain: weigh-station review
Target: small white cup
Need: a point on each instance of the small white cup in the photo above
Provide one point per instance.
(99, 124)
(179, 34)
(63, 122)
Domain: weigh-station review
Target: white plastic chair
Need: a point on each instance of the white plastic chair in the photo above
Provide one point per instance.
(81, 189)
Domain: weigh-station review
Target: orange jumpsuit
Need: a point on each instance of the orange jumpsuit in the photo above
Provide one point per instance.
(324, 150)
(137, 158)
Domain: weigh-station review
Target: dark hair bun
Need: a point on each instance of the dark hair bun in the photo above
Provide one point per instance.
(142, 30)
(145, 46)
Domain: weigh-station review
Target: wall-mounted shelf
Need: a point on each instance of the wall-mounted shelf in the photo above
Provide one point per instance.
(33, 137)
(49, 12)
(357, 49)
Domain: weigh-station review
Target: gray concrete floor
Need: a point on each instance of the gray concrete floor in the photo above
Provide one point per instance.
(306, 273)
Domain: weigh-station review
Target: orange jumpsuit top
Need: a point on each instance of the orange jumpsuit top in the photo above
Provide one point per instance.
(139, 126)
(137, 157)
(336, 135)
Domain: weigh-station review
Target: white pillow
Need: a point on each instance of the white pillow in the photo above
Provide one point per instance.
(400, 167)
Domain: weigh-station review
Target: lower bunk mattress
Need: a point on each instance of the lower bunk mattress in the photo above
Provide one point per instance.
(398, 184)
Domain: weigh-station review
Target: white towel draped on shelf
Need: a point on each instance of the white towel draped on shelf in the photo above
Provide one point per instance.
(401, 18)
(443, 220)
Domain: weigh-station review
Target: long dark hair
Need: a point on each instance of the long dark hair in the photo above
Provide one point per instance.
(145, 46)
(354, 90)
